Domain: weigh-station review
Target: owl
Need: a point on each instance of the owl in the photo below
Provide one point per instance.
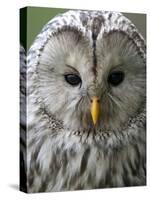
(86, 104)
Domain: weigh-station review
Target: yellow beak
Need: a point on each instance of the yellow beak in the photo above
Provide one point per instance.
(95, 109)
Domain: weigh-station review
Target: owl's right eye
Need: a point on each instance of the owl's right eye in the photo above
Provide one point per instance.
(73, 79)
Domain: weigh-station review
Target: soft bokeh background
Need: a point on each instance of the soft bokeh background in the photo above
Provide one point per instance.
(37, 17)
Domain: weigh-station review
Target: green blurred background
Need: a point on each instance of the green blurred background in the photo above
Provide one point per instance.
(37, 17)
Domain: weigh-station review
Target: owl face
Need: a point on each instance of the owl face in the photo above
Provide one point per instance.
(91, 83)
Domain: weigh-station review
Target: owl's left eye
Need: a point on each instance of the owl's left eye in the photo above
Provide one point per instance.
(73, 79)
(115, 78)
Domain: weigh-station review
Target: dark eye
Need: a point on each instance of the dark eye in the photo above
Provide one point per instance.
(115, 78)
(73, 79)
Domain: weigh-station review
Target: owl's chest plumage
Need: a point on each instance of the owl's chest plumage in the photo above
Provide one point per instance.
(60, 161)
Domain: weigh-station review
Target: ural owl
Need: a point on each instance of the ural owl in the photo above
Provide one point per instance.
(86, 99)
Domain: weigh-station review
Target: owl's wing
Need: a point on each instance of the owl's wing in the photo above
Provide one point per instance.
(22, 118)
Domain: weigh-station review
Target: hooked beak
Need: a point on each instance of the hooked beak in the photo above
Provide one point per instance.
(95, 109)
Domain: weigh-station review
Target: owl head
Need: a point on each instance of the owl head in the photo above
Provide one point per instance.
(90, 70)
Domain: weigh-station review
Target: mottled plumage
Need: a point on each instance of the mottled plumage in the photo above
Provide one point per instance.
(65, 150)
(23, 145)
